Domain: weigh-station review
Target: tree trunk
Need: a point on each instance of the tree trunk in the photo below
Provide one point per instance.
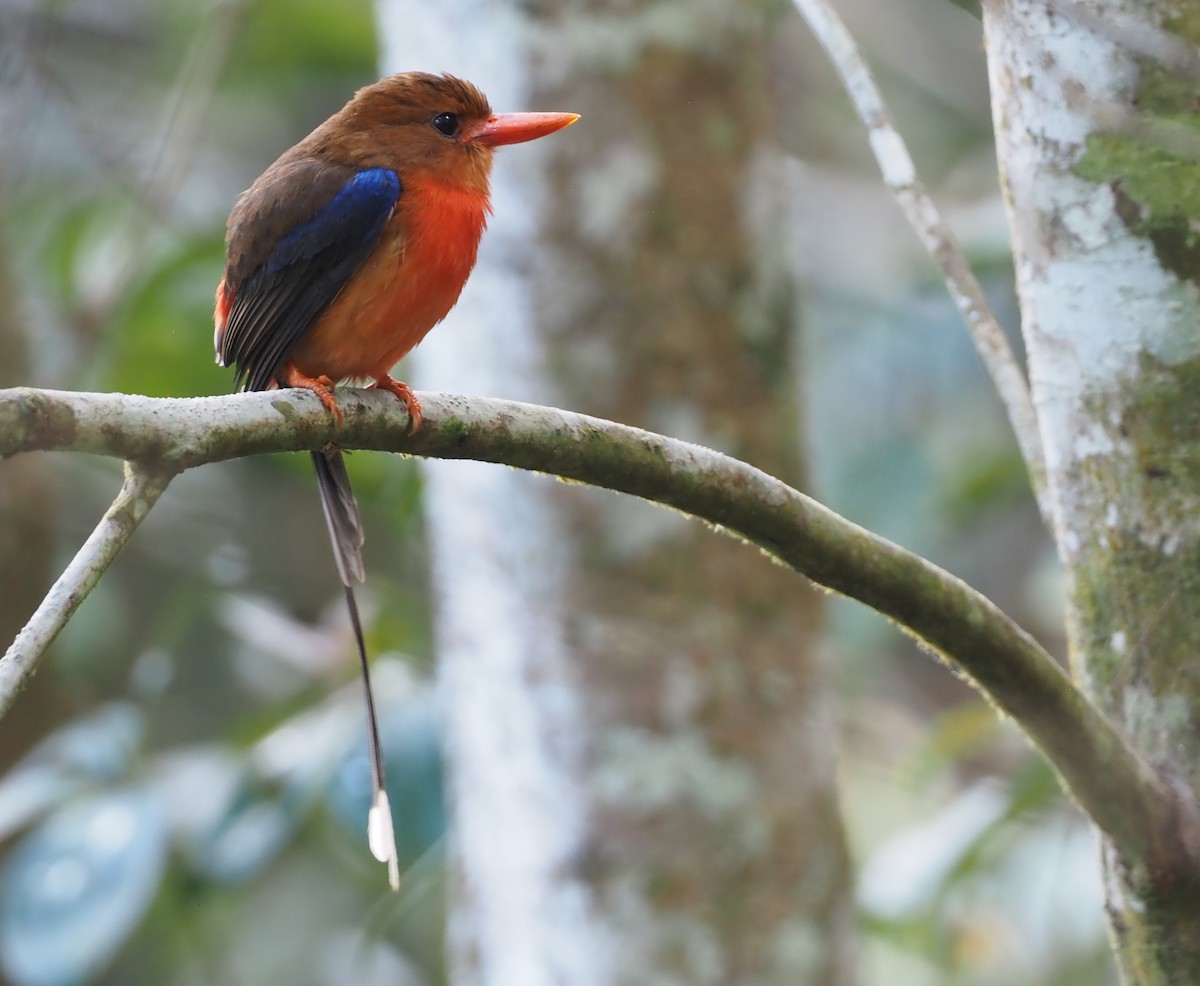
(521, 909)
(637, 717)
(1097, 150)
(671, 305)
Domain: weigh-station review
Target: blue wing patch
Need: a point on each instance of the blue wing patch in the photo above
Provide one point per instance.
(358, 212)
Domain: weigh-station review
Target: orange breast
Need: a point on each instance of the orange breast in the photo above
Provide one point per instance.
(407, 285)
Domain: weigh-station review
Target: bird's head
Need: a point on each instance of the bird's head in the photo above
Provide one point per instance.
(440, 124)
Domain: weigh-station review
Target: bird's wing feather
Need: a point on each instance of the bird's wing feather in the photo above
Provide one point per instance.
(295, 239)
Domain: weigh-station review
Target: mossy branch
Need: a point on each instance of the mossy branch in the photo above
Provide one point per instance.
(1150, 821)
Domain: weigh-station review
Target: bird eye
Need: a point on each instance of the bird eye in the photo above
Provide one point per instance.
(446, 124)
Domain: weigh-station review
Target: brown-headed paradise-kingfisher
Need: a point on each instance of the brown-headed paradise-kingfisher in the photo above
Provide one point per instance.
(342, 256)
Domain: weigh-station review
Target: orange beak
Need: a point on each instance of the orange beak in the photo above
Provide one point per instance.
(516, 128)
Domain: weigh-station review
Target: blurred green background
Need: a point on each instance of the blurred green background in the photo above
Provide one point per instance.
(184, 781)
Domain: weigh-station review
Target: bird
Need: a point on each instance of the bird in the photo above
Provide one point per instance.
(340, 258)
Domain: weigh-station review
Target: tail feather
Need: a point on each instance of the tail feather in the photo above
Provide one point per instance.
(380, 832)
(346, 537)
(341, 514)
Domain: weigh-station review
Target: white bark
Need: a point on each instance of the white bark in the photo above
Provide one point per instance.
(522, 916)
(1094, 297)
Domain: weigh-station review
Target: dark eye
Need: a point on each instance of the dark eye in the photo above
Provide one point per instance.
(446, 124)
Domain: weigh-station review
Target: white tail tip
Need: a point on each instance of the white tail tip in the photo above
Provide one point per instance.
(381, 837)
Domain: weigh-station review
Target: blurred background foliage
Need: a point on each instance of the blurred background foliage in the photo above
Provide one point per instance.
(184, 784)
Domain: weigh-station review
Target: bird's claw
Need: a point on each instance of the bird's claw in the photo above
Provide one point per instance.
(321, 385)
(404, 392)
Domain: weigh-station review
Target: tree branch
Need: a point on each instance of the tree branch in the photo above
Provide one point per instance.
(900, 178)
(1147, 820)
(141, 490)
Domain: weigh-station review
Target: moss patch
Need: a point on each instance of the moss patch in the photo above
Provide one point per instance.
(458, 430)
(1162, 420)
(1153, 164)
(1136, 584)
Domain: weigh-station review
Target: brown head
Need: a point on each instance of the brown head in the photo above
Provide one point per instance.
(437, 124)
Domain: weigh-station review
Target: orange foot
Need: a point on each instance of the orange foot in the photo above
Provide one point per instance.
(416, 416)
(322, 386)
